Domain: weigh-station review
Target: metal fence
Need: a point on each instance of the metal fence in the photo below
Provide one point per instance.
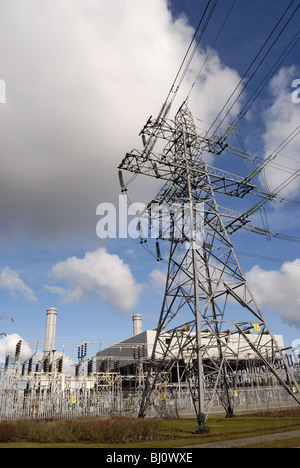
(16, 404)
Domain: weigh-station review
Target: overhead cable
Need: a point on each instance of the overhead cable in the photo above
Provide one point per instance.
(257, 67)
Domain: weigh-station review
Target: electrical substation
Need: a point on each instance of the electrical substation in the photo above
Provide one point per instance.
(113, 381)
(212, 350)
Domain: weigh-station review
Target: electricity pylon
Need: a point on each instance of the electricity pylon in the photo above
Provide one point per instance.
(209, 318)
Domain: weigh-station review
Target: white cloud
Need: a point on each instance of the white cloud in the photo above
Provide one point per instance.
(278, 291)
(8, 346)
(100, 273)
(10, 281)
(157, 282)
(281, 119)
(82, 79)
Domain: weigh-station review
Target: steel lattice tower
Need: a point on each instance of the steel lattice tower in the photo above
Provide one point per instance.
(207, 303)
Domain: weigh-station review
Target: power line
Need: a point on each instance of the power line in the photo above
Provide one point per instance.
(186, 62)
(295, 263)
(253, 63)
(269, 162)
(211, 49)
(276, 153)
(287, 51)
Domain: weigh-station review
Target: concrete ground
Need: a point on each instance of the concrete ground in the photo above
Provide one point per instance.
(239, 443)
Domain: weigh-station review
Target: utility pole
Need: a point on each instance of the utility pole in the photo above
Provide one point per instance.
(207, 301)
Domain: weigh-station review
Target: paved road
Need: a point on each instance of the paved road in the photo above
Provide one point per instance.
(251, 440)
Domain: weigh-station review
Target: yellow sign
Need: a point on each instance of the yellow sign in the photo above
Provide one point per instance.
(235, 393)
(294, 390)
(256, 327)
(73, 399)
(187, 328)
(163, 396)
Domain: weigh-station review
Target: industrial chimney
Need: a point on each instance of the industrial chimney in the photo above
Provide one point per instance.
(137, 324)
(50, 329)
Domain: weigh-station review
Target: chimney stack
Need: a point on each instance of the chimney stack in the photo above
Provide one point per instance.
(50, 329)
(137, 324)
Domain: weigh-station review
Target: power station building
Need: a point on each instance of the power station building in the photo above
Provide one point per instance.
(125, 354)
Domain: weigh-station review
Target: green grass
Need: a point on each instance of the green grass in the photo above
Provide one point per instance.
(229, 429)
(127, 433)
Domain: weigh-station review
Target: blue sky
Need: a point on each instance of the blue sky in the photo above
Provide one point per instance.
(82, 78)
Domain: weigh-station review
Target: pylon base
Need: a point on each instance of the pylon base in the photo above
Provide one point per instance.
(230, 416)
(203, 429)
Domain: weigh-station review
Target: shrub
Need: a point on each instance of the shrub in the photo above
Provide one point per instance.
(276, 413)
(7, 432)
(97, 430)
